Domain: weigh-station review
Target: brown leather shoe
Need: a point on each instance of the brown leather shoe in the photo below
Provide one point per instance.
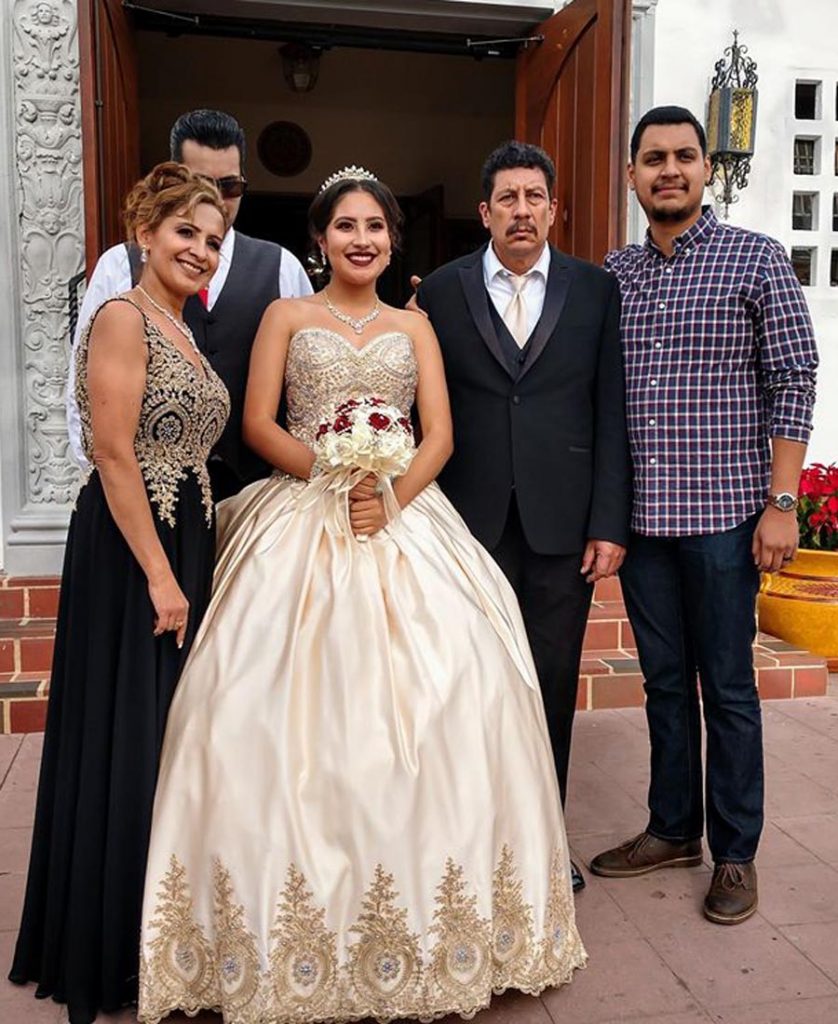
(732, 896)
(646, 853)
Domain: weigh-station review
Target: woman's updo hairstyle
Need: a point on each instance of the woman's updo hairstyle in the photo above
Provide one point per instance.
(168, 189)
(322, 209)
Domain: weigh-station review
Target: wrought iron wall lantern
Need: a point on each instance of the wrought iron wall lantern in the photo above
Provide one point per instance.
(731, 123)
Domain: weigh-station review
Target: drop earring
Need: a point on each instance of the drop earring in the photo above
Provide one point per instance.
(143, 254)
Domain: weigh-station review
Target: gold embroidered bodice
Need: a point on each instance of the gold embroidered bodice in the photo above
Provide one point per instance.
(324, 369)
(182, 415)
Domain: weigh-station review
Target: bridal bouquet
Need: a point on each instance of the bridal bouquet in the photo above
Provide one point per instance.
(368, 434)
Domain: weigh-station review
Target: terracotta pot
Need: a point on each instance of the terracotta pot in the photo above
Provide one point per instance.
(799, 603)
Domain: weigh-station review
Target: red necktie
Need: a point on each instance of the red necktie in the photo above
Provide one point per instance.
(203, 295)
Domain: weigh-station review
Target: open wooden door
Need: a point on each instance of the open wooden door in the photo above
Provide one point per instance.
(110, 120)
(572, 99)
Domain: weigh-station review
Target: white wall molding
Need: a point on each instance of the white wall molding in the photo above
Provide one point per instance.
(41, 121)
(642, 92)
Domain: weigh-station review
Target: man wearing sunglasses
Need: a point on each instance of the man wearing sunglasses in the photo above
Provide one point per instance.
(251, 274)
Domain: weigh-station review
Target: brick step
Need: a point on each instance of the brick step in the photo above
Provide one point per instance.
(28, 597)
(612, 678)
(609, 677)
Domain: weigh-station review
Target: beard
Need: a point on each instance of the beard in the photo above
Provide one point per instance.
(674, 215)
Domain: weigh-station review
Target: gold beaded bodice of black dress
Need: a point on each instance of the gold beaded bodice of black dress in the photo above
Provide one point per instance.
(183, 412)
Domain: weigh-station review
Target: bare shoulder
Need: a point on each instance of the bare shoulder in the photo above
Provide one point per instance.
(119, 323)
(283, 316)
(415, 325)
(289, 307)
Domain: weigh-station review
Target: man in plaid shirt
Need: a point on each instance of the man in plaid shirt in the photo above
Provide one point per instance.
(720, 365)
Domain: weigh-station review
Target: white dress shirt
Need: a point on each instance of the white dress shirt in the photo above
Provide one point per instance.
(501, 290)
(112, 276)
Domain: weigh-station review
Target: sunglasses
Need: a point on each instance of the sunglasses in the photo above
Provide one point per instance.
(231, 187)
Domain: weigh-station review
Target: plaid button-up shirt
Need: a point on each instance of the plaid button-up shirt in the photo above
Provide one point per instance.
(719, 357)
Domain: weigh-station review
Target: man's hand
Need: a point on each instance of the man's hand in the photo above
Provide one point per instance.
(775, 539)
(412, 304)
(602, 558)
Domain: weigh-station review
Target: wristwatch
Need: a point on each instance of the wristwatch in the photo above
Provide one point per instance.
(785, 502)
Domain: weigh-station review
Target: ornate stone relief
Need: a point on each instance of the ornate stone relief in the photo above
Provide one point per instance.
(50, 231)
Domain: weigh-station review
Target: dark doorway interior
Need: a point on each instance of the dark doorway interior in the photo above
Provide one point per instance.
(429, 239)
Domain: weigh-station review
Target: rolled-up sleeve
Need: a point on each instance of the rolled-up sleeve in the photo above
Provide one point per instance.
(788, 355)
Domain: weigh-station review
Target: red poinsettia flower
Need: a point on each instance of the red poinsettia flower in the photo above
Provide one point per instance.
(378, 421)
(818, 512)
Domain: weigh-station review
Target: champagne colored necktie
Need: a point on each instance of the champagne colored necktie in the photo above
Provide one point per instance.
(515, 316)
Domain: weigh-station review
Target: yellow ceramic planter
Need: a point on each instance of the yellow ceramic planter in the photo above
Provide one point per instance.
(799, 603)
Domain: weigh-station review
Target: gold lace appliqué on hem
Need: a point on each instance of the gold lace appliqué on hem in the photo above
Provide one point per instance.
(303, 958)
(381, 973)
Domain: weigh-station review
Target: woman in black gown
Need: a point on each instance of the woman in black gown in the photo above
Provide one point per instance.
(137, 578)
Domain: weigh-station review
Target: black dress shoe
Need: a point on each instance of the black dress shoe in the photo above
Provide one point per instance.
(576, 879)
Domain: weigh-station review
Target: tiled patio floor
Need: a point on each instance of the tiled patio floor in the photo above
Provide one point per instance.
(653, 957)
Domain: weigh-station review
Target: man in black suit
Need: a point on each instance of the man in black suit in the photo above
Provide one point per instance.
(541, 469)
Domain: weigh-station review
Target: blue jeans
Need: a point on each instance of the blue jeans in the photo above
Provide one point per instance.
(690, 601)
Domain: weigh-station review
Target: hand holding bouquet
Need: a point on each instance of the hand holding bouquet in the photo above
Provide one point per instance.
(365, 433)
(364, 436)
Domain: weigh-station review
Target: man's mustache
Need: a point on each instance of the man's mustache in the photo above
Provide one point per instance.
(520, 226)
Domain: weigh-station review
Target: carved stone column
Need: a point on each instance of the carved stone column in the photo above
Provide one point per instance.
(42, 119)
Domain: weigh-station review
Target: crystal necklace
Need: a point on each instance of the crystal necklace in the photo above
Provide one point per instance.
(173, 320)
(358, 324)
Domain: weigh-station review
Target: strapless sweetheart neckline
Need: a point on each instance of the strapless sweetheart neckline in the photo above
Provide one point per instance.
(358, 350)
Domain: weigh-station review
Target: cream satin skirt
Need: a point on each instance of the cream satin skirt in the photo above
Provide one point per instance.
(357, 812)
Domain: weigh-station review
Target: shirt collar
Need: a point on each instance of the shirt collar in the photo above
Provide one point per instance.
(228, 243)
(492, 266)
(699, 232)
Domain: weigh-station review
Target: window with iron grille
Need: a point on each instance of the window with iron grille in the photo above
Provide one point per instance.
(804, 156)
(804, 211)
(803, 262)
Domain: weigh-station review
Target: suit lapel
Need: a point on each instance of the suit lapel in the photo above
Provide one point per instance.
(558, 285)
(477, 297)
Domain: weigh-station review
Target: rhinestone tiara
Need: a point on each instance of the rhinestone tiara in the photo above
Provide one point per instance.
(351, 173)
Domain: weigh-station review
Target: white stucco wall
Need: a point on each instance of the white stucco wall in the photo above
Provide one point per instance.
(790, 40)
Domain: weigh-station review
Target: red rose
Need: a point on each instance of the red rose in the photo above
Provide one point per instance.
(378, 421)
(322, 430)
(342, 424)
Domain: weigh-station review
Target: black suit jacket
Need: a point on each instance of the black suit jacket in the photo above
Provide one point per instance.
(553, 427)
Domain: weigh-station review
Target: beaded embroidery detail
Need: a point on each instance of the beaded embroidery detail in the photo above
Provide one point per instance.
(319, 376)
(182, 416)
(381, 972)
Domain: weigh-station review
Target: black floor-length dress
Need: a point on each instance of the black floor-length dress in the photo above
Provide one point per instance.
(112, 683)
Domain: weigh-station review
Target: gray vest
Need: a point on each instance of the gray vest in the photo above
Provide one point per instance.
(225, 335)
